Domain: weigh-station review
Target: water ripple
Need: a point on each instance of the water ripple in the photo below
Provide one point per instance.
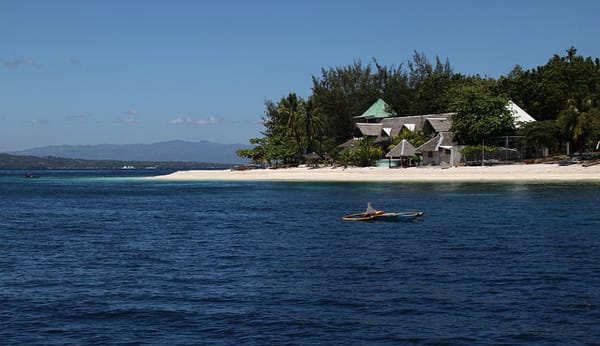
(104, 261)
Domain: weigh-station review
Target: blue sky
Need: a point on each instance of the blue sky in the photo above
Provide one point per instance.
(122, 72)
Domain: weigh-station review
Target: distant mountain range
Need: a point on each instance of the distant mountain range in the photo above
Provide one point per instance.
(27, 162)
(203, 151)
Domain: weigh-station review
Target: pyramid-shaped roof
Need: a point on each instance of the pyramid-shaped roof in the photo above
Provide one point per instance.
(403, 149)
(378, 110)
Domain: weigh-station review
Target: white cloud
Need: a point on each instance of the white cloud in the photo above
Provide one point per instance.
(177, 121)
(210, 121)
(189, 121)
(31, 62)
(130, 118)
(82, 116)
(13, 64)
(128, 121)
(36, 122)
(21, 62)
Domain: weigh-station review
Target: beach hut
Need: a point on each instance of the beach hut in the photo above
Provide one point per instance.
(313, 159)
(403, 150)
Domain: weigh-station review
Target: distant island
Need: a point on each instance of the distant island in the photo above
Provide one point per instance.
(27, 162)
(177, 150)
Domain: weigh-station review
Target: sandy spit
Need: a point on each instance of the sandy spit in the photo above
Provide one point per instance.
(500, 173)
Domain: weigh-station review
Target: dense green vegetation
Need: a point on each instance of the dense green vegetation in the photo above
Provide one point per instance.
(563, 95)
(33, 162)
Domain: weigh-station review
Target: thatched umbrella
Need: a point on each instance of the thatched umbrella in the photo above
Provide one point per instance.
(313, 158)
(402, 150)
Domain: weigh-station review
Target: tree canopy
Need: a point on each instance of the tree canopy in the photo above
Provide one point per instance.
(565, 92)
(479, 114)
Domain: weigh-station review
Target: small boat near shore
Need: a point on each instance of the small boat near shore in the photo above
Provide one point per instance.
(372, 215)
(383, 216)
(29, 176)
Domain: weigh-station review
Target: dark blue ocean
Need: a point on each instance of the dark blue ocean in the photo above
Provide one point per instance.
(104, 257)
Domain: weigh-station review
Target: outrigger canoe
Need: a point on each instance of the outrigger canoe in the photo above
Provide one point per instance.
(380, 215)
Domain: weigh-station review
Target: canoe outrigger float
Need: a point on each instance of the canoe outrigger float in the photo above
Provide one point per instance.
(372, 215)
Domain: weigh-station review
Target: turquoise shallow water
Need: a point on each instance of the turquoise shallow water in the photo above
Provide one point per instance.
(101, 257)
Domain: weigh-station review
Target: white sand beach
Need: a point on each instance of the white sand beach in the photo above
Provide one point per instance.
(500, 173)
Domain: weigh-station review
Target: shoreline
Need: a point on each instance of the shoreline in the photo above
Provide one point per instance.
(500, 173)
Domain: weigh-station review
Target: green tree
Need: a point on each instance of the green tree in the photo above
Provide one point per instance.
(292, 111)
(258, 154)
(363, 155)
(540, 135)
(415, 138)
(341, 93)
(367, 153)
(278, 144)
(580, 123)
(479, 115)
(545, 91)
(429, 84)
(477, 152)
(347, 157)
(392, 84)
(313, 129)
(290, 130)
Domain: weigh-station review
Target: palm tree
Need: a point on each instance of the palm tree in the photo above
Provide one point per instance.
(293, 109)
(367, 153)
(571, 54)
(313, 126)
(580, 123)
(415, 138)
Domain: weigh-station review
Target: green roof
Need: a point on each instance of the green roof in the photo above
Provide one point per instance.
(377, 110)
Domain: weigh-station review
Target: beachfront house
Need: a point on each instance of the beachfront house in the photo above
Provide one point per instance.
(404, 152)
(381, 124)
(440, 150)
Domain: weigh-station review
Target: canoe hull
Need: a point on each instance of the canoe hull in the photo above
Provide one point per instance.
(402, 216)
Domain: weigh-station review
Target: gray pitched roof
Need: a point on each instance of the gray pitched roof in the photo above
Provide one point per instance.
(447, 139)
(403, 149)
(416, 122)
(396, 124)
(369, 130)
(349, 144)
(440, 124)
(442, 140)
